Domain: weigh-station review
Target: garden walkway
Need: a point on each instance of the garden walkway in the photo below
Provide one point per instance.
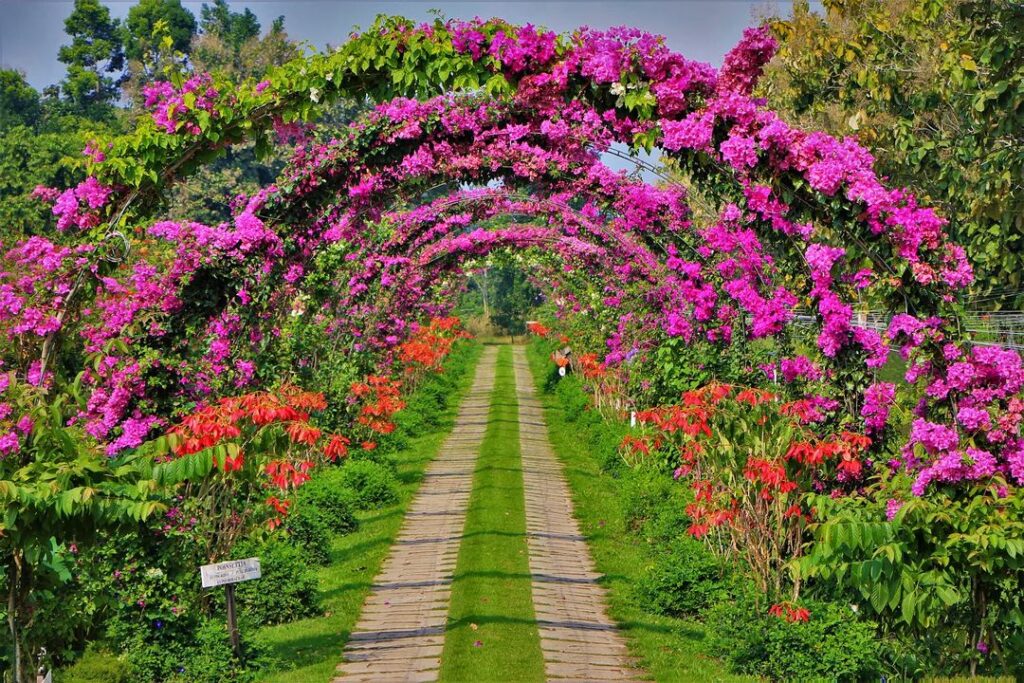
(400, 634)
(577, 638)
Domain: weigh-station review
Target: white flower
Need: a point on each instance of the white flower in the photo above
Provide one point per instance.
(314, 94)
(618, 89)
(329, 76)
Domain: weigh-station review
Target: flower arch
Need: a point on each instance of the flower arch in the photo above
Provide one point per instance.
(803, 221)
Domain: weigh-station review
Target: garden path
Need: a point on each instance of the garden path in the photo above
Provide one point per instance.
(400, 634)
(579, 641)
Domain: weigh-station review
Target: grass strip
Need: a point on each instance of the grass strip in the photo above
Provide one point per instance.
(310, 649)
(492, 631)
(669, 649)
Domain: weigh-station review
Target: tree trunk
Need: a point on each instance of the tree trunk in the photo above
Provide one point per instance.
(13, 576)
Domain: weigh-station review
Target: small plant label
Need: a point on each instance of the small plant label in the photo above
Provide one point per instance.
(232, 571)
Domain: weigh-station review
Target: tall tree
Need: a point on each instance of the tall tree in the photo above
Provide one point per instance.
(512, 298)
(215, 50)
(19, 101)
(96, 50)
(234, 28)
(143, 32)
(935, 88)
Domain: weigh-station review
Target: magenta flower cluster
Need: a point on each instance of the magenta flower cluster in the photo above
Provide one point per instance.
(660, 275)
(173, 108)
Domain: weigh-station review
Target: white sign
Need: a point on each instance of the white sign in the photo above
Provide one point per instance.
(232, 571)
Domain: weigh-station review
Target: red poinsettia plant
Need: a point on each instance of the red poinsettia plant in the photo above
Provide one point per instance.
(429, 345)
(750, 458)
(239, 460)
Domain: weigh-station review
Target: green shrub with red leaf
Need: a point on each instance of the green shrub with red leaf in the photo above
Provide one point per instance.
(425, 350)
(241, 458)
(750, 459)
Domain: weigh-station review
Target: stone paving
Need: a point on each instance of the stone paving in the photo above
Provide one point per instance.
(579, 641)
(400, 633)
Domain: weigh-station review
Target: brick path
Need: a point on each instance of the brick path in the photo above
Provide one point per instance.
(579, 641)
(400, 632)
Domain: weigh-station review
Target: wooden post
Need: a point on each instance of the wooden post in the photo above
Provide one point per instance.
(236, 643)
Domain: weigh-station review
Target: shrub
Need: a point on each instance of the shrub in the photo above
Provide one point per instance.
(288, 589)
(684, 580)
(603, 441)
(309, 529)
(327, 492)
(424, 410)
(833, 644)
(374, 484)
(200, 653)
(575, 403)
(96, 666)
(649, 501)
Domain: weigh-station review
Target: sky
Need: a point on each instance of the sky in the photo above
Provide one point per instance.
(31, 31)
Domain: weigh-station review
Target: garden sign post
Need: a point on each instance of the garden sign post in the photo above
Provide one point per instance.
(227, 574)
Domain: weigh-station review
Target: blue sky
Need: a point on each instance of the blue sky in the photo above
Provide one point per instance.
(32, 30)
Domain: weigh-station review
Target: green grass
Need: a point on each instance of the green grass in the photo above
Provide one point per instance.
(669, 649)
(310, 649)
(492, 632)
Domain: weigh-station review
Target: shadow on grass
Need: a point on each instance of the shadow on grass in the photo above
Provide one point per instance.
(483, 619)
(310, 649)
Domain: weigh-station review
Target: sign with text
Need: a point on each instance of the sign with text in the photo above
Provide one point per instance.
(232, 571)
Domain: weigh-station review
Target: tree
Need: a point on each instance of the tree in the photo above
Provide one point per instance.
(29, 158)
(936, 90)
(216, 51)
(234, 28)
(143, 29)
(512, 297)
(95, 50)
(19, 101)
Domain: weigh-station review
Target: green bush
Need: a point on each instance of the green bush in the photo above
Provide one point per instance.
(198, 653)
(327, 492)
(834, 644)
(287, 590)
(683, 581)
(604, 439)
(375, 485)
(574, 402)
(651, 501)
(308, 528)
(95, 666)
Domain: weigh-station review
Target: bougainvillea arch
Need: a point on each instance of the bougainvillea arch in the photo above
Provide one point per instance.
(803, 222)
